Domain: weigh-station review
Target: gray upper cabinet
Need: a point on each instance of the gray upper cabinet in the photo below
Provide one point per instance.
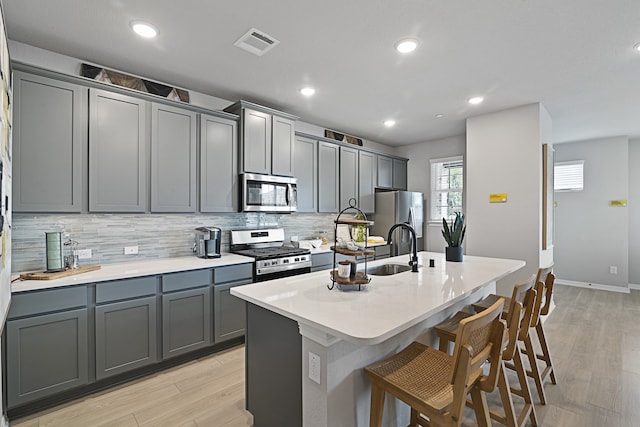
(117, 152)
(47, 145)
(385, 172)
(305, 169)
(173, 159)
(256, 141)
(218, 164)
(399, 174)
(266, 139)
(283, 148)
(328, 174)
(367, 175)
(348, 176)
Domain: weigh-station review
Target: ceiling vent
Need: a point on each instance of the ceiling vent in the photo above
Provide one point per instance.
(256, 42)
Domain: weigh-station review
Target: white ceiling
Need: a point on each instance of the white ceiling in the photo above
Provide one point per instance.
(573, 56)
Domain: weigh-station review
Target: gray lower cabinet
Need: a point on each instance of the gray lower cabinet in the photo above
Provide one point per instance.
(229, 313)
(348, 176)
(328, 177)
(46, 354)
(47, 144)
(305, 169)
(117, 152)
(186, 321)
(218, 164)
(367, 176)
(322, 261)
(126, 336)
(173, 159)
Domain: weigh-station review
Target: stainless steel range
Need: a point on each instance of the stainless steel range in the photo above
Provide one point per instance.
(273, 261)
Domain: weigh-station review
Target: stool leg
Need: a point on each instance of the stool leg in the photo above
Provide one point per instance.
(443, 344)
(545, 351)
(479, 403)
(535, 371)
(505, 396)
(377, 406)
(524, 386)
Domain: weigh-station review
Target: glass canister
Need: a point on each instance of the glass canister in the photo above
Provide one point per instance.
(55, 257)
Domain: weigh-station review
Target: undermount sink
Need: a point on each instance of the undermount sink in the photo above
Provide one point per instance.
(387, 269)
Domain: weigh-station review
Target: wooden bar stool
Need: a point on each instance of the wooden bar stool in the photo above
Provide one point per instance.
(434, 384)
(520, 314)
(549, 278)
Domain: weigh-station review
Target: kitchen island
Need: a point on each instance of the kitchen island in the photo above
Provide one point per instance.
(306, 345)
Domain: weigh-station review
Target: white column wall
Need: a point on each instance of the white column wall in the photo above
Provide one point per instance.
(504, 155)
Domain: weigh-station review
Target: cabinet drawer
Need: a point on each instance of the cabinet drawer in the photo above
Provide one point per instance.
(32, 303)
(125, 289)
(233, 273)
(186, 280)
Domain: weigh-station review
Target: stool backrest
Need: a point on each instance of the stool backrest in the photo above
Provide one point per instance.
(548, 292)
(478, 340)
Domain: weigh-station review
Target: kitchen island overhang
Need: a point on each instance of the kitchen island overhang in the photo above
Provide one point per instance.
(349, 330)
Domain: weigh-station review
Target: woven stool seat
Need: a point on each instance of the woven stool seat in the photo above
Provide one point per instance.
(421, 371)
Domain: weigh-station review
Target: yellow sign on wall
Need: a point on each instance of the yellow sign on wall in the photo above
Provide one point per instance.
(498, 198)
(617, 203)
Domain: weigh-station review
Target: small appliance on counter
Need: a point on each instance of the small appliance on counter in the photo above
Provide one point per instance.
(208, 242)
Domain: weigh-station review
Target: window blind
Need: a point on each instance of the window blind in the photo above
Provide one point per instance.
(446, 187)
(568, 176)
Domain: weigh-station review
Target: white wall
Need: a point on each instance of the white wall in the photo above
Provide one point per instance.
(634, 212)
(590, 235)
(504, 155)
(419, 177)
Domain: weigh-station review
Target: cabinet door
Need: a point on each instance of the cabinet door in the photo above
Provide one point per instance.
(283, 146)
(173, 159)
(256, 141)
(328, 174)
(399, 174)
(385, 172)
(117, 155)
(47, 145)
(366, 181)
(229, 313)
(305, 169)
(218, 165)
(46, 355)
(125, 336)
(348, 176)
(186, 321)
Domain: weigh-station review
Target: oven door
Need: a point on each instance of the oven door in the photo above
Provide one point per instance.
(280, 274)
(266, 193)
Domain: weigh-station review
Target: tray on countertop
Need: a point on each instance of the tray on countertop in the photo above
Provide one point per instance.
(43, 275)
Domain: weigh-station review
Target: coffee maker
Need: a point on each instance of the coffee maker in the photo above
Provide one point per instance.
(208, 242)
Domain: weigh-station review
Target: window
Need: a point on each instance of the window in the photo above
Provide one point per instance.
(446, 187)
(568, 176)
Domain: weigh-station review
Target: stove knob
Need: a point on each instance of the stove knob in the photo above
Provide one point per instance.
(297, 259)
(286, 261)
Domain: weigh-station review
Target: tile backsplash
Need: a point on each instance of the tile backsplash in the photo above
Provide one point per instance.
(157, 236)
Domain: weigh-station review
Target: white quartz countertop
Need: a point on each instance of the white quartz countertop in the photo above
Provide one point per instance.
(124, 270)
(388, 305)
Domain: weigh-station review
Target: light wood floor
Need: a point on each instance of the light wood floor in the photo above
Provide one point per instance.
(595, 344)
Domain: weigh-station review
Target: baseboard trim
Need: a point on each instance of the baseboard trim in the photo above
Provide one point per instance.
(634, 286)
(593, 286)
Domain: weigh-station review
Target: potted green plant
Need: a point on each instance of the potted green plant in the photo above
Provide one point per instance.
(454, 235)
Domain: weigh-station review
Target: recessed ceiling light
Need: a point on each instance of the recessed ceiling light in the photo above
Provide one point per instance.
(475, 100)
(307, 91)
(637, 47)
(406, 45)
(439, 116)
(389, 123)
(144, 29)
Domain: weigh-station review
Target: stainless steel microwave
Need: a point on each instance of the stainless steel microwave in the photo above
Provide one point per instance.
(268, 193)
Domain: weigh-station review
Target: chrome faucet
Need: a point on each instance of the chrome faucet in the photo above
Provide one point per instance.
(414, 241)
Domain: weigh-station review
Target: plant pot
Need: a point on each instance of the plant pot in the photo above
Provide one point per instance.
(454, 253)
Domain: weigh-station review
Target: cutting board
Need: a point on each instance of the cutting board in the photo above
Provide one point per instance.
(43, 275)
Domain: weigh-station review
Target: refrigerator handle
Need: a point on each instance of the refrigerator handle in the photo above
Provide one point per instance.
(412, 217)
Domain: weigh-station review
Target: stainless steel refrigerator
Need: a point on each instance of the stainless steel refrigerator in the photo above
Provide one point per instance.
(393, 207)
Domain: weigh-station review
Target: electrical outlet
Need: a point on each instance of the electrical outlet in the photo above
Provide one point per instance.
(613, 269)
(130, 250)
(314, 367)
(84, 254)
